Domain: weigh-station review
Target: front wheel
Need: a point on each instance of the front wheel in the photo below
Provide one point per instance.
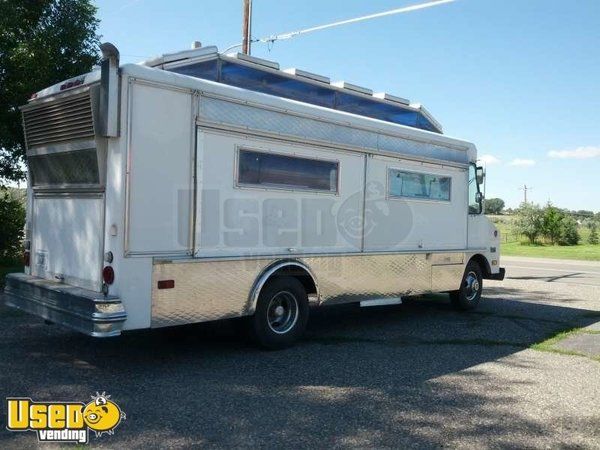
(281, 313)
(469, 294)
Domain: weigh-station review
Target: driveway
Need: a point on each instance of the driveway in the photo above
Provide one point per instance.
(417, 374)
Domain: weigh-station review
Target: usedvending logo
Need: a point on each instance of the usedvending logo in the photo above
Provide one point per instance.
(65, 421)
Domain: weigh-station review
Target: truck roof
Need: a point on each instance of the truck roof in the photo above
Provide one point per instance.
(249, 72)
(443, 147)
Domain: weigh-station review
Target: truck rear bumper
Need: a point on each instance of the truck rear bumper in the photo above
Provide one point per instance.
(82, 310)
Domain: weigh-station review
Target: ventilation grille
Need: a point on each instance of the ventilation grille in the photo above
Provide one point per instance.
(65, 120)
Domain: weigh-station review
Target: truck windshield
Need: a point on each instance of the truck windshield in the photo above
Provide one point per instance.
(475, 197)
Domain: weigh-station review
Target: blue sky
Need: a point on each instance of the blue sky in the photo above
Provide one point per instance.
(519, 78)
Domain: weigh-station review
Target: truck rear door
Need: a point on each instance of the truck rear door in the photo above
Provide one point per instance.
(66, 167)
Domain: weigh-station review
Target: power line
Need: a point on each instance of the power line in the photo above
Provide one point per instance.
(291, 34)
(405, 9)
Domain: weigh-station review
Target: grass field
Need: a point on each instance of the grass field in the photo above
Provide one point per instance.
(581, 251)
(516, 245)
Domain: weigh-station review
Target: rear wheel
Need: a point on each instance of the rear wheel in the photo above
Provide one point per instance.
(469, 294)
(281, 313)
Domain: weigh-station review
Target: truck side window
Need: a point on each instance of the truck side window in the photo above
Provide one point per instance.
(416, 185)
(475, 197)
(286, 172)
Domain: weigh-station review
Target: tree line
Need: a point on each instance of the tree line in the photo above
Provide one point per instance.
(554, 225)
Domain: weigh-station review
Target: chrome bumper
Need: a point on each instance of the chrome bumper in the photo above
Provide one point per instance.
(79, 309)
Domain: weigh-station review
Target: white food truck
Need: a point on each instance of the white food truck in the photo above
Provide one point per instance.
(200, 186)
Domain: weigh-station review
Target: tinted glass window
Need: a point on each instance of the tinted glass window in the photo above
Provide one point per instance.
(280, 171)
(66, 168)
(419, 185)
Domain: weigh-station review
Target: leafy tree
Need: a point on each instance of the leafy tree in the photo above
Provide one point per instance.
(42, 42)
(494, 206)
(593, 237)
(553, 223)
(569, 234)
(530, 221)
(12, 218)
(584, 213)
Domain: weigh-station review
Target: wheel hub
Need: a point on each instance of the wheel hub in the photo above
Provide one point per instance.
(472, 286)
(282, 312)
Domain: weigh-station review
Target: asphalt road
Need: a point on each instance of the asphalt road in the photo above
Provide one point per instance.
(552, 270)
(414, 375)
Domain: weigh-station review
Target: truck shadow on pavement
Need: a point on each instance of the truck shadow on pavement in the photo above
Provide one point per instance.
(376, 377)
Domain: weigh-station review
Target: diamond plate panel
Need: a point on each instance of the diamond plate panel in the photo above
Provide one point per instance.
(349, 278)
(216, 289)
(204, 290)
(225, 112)
(446, 278)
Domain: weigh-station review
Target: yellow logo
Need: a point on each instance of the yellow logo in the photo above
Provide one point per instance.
(64, 421)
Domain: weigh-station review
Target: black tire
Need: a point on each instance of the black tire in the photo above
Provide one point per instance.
(281, 314)
(469, 294)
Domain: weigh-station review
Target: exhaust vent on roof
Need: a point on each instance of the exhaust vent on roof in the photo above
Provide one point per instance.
(352, 87)
(391, 98)
(255, 60)
(309, 75)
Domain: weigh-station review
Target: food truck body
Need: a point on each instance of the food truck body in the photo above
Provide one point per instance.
(200, 186)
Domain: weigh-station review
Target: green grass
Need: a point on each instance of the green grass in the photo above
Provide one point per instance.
(515, 245)
(582, 251)
(549, 344)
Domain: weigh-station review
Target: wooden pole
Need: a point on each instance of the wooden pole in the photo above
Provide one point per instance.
(246, 26)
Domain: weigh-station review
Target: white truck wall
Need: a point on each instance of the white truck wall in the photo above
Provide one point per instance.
(133, 283)
(247, 220)
(161, 169)
(67, 239)
(402, 224)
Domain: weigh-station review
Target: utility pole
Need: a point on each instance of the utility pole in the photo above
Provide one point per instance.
(525, 189)
(247, 26)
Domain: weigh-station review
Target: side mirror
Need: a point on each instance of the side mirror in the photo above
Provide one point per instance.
(480, 175)
(479, 197)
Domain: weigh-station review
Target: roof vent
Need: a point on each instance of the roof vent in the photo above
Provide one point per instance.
(196, 44)
(201, 52)
(309, 75)
(391, 98)
(352, 87)
(255, 60)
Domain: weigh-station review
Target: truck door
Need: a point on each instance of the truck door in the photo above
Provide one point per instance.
(66, 175)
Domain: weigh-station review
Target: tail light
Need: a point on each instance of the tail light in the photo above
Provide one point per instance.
(108, 275)
(26, 258)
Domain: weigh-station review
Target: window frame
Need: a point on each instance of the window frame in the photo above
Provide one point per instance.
(392, 196)
(241, 185)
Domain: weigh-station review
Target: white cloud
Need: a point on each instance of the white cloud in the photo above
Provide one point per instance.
(522, 162)
(488, 160)
(578, 153)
